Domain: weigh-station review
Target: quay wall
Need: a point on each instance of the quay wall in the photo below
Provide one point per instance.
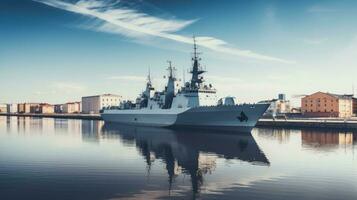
(333, 123)
(309, 123)
(56, 115)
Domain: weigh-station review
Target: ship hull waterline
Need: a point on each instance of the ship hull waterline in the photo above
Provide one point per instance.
(242, 118)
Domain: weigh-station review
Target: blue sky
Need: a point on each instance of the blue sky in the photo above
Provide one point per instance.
(57, 51)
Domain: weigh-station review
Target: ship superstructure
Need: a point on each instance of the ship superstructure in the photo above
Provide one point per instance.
(195, 104)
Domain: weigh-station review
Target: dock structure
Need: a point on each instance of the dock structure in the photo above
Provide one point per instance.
(332, 123)
(56, 115)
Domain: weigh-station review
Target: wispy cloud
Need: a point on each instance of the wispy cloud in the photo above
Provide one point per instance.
(320, 9)
(132, 23)
(314, 41)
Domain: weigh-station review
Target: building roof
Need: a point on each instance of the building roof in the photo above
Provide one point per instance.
(45, 104)
(113, 95)
(73, 102)
(339, 96)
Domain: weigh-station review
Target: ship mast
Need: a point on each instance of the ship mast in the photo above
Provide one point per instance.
(170, 88)
(196, 71)
(171, 69)
(149, 86)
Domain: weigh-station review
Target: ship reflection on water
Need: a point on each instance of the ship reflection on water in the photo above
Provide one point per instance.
(44, 158)
(188, 152)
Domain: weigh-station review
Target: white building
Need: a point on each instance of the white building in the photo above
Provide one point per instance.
(3, 108)
(71, 107)
(11, 108)
(278, 106)
(93, 104)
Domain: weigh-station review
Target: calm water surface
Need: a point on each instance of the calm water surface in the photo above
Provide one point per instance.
(84, 159)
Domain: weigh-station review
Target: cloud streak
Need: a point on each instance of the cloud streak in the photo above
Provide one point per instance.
(132, 23)
(320, 9)
(314, 41)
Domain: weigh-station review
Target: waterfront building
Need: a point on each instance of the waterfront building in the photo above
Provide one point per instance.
(21, 108)
(354, 106)
(28, 107)
(46, 108)
(93, 104)
(3, 108)
(33, 107)
(322, 104)
(11, 108)
(58, 108)
(278, 106)
(72, 107)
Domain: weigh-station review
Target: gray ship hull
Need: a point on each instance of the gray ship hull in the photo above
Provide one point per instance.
(238, 117)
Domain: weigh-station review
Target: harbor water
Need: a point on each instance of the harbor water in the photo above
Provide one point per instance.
(47, 158)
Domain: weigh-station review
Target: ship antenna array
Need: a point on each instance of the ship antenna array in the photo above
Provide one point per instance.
(194, 48)
(171, 69)
(195, 53)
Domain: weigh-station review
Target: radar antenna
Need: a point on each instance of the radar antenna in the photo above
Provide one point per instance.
(194, 48)
(196, 71)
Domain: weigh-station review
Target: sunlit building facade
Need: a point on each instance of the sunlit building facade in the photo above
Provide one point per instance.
(3, 108)
(46, 108)
(11, 108)
(93, 104)
(354, 106)
(72, 107)
(322, 104)
(278, 106)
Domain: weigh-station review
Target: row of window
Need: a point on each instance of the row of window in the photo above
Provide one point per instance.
(318, 105)
(110, 100)
(320, 110)
(318, 100)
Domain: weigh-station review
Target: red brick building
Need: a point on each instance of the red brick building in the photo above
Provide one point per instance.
(322, 104)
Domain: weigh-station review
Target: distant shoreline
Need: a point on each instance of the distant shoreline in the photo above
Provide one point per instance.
(326, 123)
(56, 115)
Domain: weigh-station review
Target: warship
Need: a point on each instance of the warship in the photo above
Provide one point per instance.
(194, 105)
